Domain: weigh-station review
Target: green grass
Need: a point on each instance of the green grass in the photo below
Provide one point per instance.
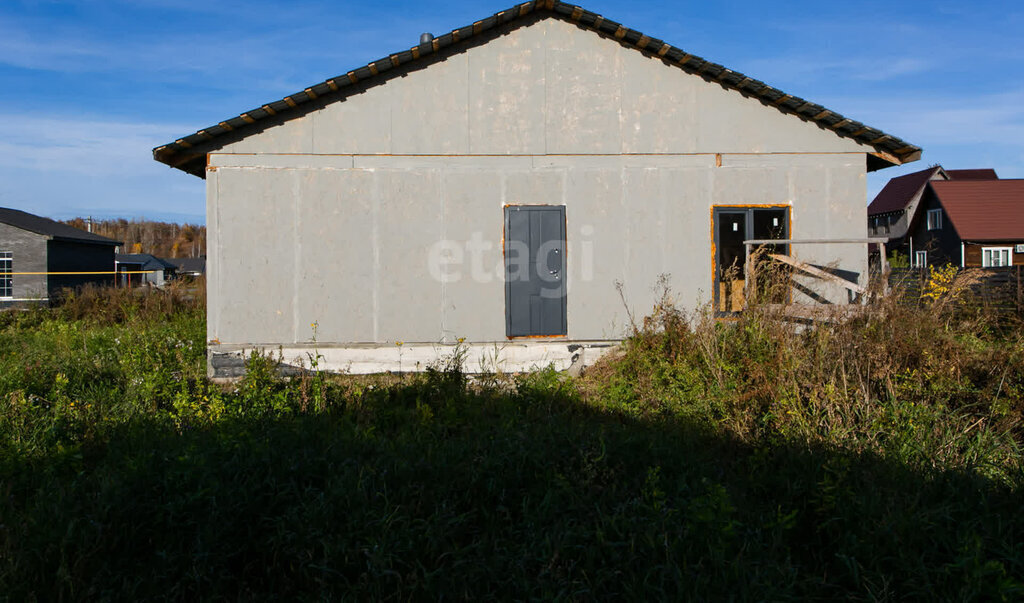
(707, 461)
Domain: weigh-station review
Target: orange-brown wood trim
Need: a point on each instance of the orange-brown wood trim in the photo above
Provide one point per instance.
(711, 214)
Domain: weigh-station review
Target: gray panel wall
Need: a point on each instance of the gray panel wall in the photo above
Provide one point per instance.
(338, 218)
(353, 249)
(545, 89)
(29, 255)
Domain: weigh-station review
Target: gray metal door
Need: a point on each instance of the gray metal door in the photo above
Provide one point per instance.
(535, 270)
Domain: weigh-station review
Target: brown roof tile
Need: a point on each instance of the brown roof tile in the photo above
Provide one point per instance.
(984, 210)
(978, 174)
(899, 191)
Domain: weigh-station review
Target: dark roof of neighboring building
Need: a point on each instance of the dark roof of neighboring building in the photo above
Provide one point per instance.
(189, 264)
(979, 174)
(188, 153)
(899, 191)
(51, 228)
(146, 260)
(984, 210)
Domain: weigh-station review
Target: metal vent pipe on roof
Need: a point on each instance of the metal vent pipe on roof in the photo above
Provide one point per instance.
(426, 38)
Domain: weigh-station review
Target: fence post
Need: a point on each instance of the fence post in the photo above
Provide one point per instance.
(748, 283)
(1020, 292)
(922, 281)
(883, 266)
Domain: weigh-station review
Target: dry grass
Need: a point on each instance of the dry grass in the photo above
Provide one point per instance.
(113, 305)
(929, 383)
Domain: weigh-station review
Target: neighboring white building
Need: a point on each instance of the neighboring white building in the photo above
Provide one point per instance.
(137, 269)
(495, 183)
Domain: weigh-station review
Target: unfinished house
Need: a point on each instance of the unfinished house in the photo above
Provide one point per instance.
(500, 184)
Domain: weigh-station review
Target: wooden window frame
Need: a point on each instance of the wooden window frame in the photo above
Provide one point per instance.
(999, 249)
(935, 224)
(918, 263)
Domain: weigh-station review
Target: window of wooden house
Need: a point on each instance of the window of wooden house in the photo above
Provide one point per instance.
(920, 259)
(934, 219)
(994, 257)
(6, 274)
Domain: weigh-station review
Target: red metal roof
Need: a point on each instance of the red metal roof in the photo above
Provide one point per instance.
(984, 210)
(899, 191)
(979, 174)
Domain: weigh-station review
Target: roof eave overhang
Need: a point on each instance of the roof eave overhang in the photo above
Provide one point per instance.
(879, 160)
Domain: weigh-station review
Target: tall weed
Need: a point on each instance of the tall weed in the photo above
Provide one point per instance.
(921, 383)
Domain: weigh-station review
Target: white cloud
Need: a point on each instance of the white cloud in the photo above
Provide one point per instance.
(67, 144)
(62, 166)
(948, 118)
(783, 70)
(956, 131)
(231, 57)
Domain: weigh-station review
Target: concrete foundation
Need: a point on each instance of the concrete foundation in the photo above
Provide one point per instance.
(477, 358)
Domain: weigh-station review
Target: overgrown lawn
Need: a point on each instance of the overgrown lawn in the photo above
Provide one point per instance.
(874, 459)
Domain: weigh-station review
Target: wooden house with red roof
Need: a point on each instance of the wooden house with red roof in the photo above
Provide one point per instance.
(970, 223)
(911, 213)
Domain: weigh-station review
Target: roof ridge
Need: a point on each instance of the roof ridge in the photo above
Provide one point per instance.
(19, 218)
(891, 148)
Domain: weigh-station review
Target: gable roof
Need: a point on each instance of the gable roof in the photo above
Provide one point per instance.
(978, 174)
(188, 153)
(900, 191)
(189, 264)
(47, 227)
(984, 210)
(146, 260)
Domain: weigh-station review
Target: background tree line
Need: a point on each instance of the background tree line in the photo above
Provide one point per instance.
(162, 239)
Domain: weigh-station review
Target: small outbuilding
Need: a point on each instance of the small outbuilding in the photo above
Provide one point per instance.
(518, 186)
(189, 267)
(40, 257)
(139, 269)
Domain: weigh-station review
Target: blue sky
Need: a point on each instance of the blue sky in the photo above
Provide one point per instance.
(89, 87)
